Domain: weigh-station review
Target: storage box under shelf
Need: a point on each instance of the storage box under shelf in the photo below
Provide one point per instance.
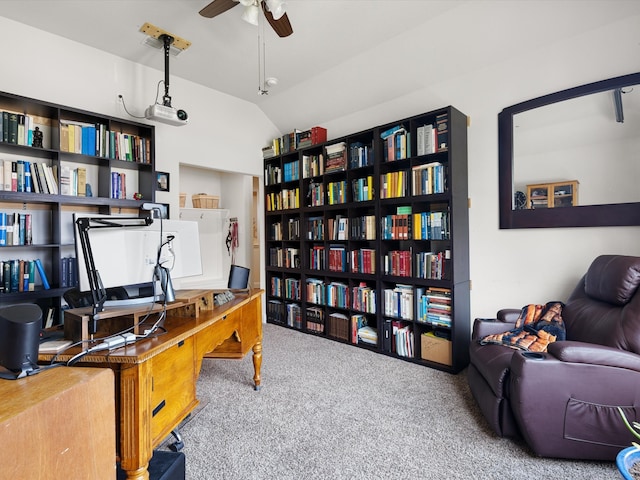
(202, 200)
(435, 349)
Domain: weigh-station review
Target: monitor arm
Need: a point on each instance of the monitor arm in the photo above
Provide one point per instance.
(98, 292)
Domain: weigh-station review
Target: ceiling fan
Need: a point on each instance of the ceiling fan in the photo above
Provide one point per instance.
(273, 11)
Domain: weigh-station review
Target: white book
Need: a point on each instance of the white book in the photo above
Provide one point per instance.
(7, 175)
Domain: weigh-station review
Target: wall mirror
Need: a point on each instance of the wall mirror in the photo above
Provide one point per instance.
(572, 158)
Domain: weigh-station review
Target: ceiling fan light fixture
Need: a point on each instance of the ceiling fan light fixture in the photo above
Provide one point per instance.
(277, 8)
(247, 3)
(250, 14)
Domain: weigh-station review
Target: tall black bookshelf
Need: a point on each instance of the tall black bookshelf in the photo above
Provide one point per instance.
(367, 239)
(97, 168)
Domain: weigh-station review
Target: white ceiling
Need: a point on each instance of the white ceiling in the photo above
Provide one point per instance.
(365, 41)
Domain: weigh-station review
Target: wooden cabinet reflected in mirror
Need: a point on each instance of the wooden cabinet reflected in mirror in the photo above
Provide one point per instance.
(587, 136)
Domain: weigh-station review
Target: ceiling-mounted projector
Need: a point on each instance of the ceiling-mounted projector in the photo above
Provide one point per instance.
(166, 114)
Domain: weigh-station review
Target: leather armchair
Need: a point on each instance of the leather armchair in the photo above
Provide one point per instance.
(563, 401)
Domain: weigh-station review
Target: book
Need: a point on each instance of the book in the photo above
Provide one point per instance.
(48, 322)
(13, 128)
(81, 181)
(27, 177)
(7, 169)
(21, 176)
(3, 228)
(54, 346)
(32, 276)
(65, 179)
(43, 275)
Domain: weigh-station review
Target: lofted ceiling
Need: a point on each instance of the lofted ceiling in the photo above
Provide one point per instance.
(352, 48)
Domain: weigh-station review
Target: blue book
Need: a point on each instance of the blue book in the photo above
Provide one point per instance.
(27, 176)
(43, 276)
(3, 228)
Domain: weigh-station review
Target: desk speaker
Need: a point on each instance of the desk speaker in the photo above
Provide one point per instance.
(19, 339)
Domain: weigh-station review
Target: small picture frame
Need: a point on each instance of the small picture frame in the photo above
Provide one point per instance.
(162, 181)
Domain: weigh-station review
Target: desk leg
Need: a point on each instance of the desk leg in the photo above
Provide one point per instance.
(135, 447)
(139, 474)
(257, 364)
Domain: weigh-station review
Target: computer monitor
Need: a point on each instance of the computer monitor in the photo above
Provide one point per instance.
(128, 256)
(238, 278)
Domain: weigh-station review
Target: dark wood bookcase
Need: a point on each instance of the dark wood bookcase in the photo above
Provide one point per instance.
(373, 250)
(52, 213)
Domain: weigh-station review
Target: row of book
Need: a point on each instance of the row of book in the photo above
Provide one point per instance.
(405, 225)
(337, 192)
(336, 160)
(312, 165)
(289, 288)
(363, 298)
(283, 200)
(433, 265)
(338, 326)
(97, 140)
(361, 332)
(290, 231)
(19, 275)
(16, 228)
(432, 138)
(397, 263)
(272, 175)
(396, 143)
(315, 319)
(18, 128)
(27, 176)
(428, 179)
(118, 185)
(287, 257)
(292, 141)
(360, 155)
(398, 302)
(430, 305)
(433, 306)
(315, 229)
(291, 171)
(361, 228)
(428, 265)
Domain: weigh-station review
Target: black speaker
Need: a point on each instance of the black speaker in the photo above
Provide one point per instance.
(238, 277)
(19, 339)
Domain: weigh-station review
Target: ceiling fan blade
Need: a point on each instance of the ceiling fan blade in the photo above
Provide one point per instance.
(217, 7)
(281, 26)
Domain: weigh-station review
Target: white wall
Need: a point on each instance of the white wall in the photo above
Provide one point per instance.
(54, 69)
(517, 267)
(508, 267)
(51, 68)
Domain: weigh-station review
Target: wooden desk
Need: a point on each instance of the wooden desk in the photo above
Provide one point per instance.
(57, 424)
(156, 378)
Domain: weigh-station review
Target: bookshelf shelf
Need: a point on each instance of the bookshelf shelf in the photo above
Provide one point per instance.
(400, 267)
(103, 148)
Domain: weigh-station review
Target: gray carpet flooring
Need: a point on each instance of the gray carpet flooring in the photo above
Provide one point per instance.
(332, 411)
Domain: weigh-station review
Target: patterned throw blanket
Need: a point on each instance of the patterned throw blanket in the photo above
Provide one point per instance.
(536, 327)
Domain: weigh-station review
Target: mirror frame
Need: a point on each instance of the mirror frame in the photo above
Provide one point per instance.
(608, 215)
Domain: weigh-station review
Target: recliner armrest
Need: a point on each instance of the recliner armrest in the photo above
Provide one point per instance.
(488, 326)
(509, 314)
(592, 354)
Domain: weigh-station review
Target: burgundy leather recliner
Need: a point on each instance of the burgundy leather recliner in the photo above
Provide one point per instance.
(563, 401)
